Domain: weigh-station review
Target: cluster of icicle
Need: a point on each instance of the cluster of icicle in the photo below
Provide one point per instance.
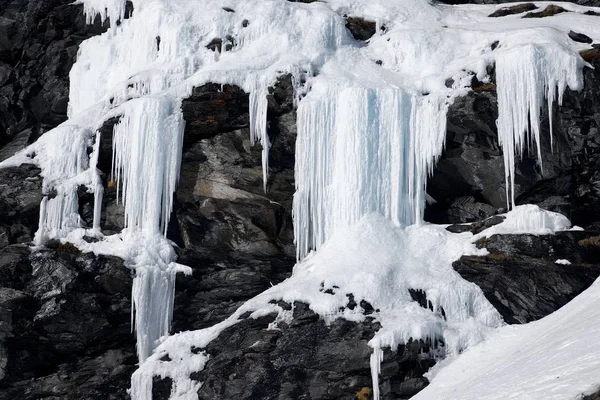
(147, 145)
(362, 151)
(528, 78)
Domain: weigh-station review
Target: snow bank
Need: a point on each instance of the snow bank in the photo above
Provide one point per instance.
(553, 358)
(528, 219)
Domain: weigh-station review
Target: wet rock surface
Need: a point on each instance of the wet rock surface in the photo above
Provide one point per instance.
(521, 278)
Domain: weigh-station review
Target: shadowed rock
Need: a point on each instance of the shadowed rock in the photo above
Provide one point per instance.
(580, 37)
(547, 12)
(521, 278)
(360, 28)
(518, 9)
(468, 182)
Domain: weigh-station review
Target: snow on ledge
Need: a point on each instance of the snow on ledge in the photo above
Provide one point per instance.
(528, 219)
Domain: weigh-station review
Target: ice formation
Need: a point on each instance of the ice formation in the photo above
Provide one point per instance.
(527, 77)
(370, 129)
(360, 151)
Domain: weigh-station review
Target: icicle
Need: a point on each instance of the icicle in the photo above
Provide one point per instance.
(96, 183)
(258, 128)
(376, 359)
(106, 9)
(525, 77)
(62, 155)
(153, 294)
(147, 145)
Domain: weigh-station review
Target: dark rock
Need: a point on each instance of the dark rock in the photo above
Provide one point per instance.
(593, 396)
(218, 44)
(306, 359)
(214, 109)
(520, 277)
(161, 388)
(66, 326)
(547, 12)
(360, 28)
(476, 227)
(591, 55)
(237, 237)
(20, 197)
(518, 9)
(459, 228)
(580, 37)
(38, 46)
(590, 12)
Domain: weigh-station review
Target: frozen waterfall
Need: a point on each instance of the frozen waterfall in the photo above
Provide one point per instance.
(371, 127)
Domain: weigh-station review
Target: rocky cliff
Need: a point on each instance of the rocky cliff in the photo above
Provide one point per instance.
(65, 315)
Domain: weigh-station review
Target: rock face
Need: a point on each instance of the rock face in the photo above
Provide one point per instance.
(468, 181)
(304, 359)
(64, 325)
(521, 278)
(237, 238)
(20, 196)
(65, 316)
(38, 45)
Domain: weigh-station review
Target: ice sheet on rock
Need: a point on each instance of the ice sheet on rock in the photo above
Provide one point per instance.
(547, 359)
(260, 41)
